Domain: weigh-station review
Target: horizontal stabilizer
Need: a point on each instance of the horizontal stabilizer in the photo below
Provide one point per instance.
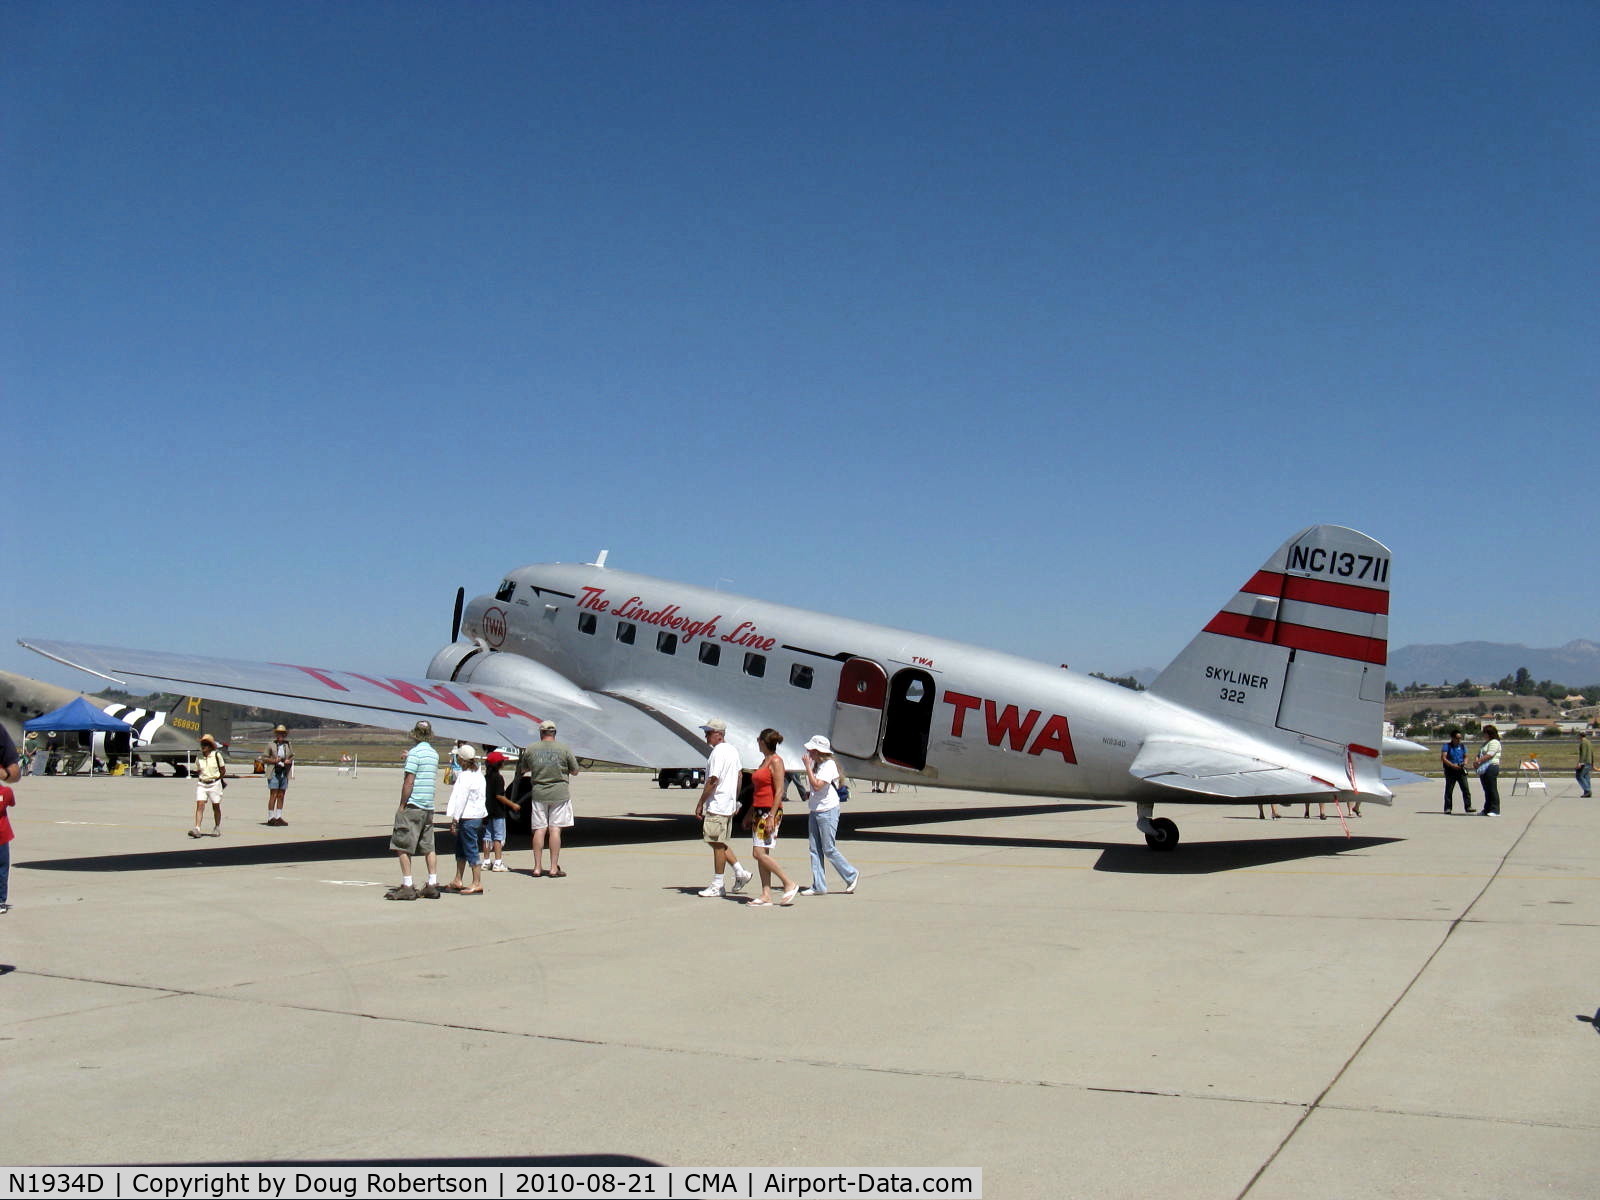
(1396, 777)
(1396, 745)
(1224, 774)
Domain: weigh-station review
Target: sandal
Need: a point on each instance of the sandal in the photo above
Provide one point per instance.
(538, 873)
(558, 873)
(758, 903)
(450, 887)
(470, 891)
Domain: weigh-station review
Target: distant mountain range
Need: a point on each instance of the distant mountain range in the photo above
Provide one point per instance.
(1577, 664)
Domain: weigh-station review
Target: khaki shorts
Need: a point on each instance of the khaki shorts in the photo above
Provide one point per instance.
(208, 793)
(716, 828)
(413, 830)
(550, 816)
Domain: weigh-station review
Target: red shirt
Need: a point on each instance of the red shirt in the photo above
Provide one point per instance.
(7, 799)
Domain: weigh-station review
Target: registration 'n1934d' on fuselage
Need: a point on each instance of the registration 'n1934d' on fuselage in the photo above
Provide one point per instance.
(1279, 697)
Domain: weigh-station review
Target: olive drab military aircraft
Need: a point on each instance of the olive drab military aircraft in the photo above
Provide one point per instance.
(1278, 698)
(171, 737)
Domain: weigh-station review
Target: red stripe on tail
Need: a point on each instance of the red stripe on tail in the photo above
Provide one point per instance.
(1319, 591)
(1300, 637)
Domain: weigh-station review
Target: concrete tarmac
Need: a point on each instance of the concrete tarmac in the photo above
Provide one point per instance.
(1275, 1010)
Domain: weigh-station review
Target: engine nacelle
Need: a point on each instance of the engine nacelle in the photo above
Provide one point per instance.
(510, 675)
(448, 662)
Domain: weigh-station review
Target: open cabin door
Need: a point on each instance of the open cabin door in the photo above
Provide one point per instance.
(908, 718)
(858, 708)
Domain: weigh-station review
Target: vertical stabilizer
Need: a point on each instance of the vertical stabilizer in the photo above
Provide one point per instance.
(1301, 649)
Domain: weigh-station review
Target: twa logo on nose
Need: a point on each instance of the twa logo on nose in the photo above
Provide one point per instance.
(494, 626)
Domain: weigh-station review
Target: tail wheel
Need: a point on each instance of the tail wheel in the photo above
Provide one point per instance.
(1163, 835)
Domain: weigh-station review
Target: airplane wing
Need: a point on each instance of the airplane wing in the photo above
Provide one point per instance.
(1224, 774)
(594, 725)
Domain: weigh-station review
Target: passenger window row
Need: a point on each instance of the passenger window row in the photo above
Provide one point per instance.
(755, 665)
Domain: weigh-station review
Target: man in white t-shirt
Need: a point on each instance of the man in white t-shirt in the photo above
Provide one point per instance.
(719, 800)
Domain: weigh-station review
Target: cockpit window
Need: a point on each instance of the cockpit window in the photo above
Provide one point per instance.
(507, 586)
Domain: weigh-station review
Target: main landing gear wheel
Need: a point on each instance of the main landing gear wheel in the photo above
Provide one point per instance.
(1163, 835)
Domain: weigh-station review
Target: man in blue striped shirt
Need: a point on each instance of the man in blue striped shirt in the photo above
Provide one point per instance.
(413, 822)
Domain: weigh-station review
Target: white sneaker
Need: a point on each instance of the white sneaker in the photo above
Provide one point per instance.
(811, 892)
(712, 892)
(850, 888)
(740, 878)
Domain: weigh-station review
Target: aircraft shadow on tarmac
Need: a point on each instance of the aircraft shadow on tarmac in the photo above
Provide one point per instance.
(1132, 856)
(643, 828)
(214, 852)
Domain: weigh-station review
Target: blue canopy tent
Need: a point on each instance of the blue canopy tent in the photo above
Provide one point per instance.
(78, 716)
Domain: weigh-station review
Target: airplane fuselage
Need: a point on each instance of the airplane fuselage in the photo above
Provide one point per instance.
(898, 705)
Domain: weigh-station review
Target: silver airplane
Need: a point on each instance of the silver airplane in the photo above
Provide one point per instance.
(1278, 698)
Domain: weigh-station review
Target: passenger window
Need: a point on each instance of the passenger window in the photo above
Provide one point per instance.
(710, 653)
(625, 632)
(755, 664)
(586, 622)
(800, 675)
(507, 586)
(667, 643)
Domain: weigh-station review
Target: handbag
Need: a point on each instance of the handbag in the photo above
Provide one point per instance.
(1483, 768)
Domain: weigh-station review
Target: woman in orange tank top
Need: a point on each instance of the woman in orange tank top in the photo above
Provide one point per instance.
(766, 813)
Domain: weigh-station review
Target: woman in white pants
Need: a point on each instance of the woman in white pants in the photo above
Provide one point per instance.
(822, 776)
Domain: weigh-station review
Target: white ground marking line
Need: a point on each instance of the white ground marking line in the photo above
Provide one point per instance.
(335, 882)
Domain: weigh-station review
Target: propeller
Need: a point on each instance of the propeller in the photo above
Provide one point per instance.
(455, 621)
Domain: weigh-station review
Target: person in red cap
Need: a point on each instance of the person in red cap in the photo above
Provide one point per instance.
(501, 806)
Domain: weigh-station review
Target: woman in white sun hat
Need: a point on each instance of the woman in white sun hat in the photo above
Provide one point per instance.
(822, 775)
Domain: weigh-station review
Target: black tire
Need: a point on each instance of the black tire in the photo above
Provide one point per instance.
(1163, 836)
(663, 784)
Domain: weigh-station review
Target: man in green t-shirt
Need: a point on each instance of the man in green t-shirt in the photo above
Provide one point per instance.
(546, 765)
(1585, 762)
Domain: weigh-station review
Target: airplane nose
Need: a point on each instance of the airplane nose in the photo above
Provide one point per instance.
(472, 618)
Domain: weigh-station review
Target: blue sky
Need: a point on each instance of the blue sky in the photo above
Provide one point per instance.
(1035, 326)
